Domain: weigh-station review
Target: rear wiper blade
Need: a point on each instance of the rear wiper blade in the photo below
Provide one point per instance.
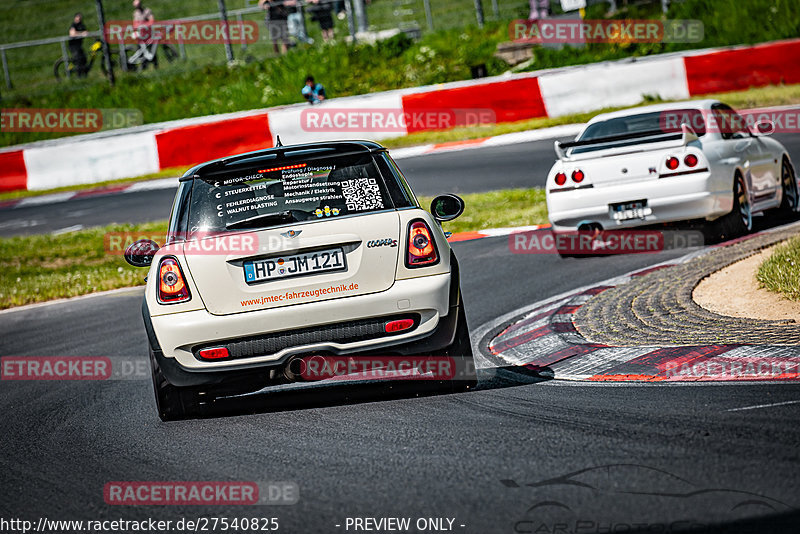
(281, 216)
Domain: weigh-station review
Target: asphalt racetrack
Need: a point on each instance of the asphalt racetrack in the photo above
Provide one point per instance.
(518, 454)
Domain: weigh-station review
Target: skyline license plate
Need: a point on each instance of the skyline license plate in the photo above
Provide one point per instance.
(318, 261)
(625, 211)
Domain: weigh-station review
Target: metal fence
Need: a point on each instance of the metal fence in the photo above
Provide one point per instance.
(31, 64)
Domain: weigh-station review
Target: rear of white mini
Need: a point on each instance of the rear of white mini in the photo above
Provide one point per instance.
(296, 251)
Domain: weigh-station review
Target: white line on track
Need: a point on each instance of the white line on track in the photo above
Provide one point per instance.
(68, 229)
(759, 406)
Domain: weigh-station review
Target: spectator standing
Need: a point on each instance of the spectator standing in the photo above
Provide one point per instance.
(313, 92)
(321, 12)
(540, 9)
(77, 31)
(142, 16)
(143, 19)
(295, 23)
(277, 24)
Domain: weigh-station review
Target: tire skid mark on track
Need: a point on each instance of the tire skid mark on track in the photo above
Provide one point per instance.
(533, 414)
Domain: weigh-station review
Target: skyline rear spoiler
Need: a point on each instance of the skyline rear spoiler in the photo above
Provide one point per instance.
(686, 134)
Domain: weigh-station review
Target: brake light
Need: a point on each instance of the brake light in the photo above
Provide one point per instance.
(215, 353)
(172, 286)
(578, 176)
(398, 325)
(690, 160)
(672, 163)
(421, 249)
(561, 178)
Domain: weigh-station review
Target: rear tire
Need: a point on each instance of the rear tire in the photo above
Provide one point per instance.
(791, 196)
(460, 350)
(740, 220)
(172, 402)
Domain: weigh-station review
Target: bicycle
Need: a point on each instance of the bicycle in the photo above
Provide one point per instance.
(63, 67)
(146, 53)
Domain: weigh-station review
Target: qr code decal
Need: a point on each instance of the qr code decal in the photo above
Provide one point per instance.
(362, 194)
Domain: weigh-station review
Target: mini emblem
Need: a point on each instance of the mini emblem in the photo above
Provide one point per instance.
(624, 170)
(291, 233)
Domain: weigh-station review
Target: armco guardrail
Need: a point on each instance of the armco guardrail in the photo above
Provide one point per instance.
(120, 153)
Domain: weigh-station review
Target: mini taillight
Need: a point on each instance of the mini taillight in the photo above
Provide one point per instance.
(578, 176)
(398, 325)
(672, 163)
(421, 249)
(215, 353)
(690, 160)
(171, 284)
(561, 178)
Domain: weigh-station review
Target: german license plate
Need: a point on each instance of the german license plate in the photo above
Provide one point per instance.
(624, 211)
(294, 265)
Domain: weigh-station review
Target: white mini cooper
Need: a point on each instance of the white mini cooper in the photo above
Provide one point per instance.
(275, 255)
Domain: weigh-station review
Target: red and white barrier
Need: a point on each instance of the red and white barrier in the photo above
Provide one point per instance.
(123, 153)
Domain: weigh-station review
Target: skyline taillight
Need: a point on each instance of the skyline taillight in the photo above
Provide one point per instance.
(672, 163)
(578, 176)
(561, 178)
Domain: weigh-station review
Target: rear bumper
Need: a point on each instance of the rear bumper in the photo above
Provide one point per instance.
(435, 298)
(677, 198)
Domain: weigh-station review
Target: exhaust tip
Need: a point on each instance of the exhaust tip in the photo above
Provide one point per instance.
(294, 369)
(303, 367)
(594, 227)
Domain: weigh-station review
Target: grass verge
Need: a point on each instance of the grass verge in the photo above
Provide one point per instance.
(46, 267)
(780, 273)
